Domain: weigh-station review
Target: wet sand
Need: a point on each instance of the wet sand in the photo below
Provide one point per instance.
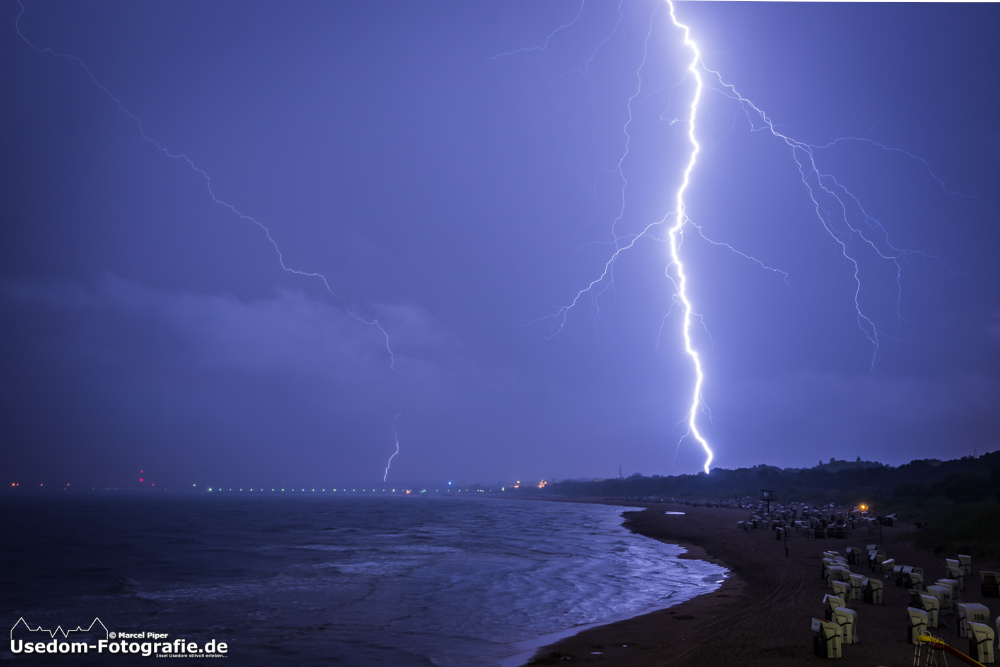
(761, 616)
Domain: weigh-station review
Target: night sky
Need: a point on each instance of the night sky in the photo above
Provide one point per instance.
(459, 199)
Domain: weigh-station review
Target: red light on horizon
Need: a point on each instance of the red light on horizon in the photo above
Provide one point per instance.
(140, 479)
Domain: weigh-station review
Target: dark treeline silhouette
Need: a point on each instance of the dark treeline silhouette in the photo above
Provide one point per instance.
(913, 485)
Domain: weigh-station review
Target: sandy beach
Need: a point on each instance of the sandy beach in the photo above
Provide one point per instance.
(761, 615)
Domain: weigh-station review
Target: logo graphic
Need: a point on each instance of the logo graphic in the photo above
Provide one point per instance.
(96, 638)
(21, 623)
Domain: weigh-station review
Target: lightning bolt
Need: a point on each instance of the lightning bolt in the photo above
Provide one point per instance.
(675, 235)
(389, 463)
(208, 184)
(832, 202)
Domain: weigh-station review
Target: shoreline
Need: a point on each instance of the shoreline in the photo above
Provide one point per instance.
(761, 614)
(625, 642)
(538, 647)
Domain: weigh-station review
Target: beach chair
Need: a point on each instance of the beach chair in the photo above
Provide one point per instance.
(928, 603)
(837, 612)
(914, 579)
(956, 573)
(857, 586)
(832, 602)
(917, 624)
(981, 642)
(841, 589)
(887, 565)
(966, 563)
(988, 587)
(931, 605)
(837, 573)
(847, 619)
(828, 640)
(971, 612)
(943, 595)
(872, 593)
(897, 574)
(955, 588)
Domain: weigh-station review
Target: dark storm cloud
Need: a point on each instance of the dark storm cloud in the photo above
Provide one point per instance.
(287, 333)
(457, 199)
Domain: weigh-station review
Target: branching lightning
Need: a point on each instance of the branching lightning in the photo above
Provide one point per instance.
(820, 187)
(586, 66)
(208, 184)
(548, 38)
(396, 435)
(818, 183)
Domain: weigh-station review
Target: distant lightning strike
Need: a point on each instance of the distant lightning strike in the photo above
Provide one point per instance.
(396, 434)
(208, 184)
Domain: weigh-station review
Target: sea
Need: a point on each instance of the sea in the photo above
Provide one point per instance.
(326, 580)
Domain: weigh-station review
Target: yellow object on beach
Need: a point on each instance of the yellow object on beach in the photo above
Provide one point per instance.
(935, 644)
